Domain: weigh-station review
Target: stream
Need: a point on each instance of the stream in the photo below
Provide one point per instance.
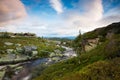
(28, 68)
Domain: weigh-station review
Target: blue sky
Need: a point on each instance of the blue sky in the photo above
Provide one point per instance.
(57, 18)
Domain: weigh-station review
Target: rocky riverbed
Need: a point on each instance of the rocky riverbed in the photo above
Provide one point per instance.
(25, 71)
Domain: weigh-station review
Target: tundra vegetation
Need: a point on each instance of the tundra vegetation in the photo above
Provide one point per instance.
(100, 62)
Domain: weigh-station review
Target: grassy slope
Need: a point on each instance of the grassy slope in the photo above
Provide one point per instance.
(25, 41)
(101, 63)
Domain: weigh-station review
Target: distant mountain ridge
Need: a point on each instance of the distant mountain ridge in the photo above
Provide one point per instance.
(59, 38)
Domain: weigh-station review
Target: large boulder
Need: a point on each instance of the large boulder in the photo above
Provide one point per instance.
(28, 49)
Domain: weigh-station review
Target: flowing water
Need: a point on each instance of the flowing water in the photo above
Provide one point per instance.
(28, 68)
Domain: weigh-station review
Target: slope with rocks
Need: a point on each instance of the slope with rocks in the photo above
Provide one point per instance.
(100, 63)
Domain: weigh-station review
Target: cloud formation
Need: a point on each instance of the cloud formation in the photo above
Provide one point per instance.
(86, 15)
(74, 20)
(11, 10)
(57, 5)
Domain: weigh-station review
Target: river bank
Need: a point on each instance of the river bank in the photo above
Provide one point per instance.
(28, 69)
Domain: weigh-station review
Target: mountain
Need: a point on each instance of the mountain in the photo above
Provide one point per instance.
(61, 38)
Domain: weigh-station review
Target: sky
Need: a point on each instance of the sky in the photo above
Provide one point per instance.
(57, 18)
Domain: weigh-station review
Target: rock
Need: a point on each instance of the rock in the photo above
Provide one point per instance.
(52, 54)
(57, 51)
(59, 55)
(64, 43)
(19, 49)
(10, 51)
(18, 45)
(12, 56)
(56, 58)
(58, 45)
(34, 47)
(34, 53)
(28, 49)
(8, 43)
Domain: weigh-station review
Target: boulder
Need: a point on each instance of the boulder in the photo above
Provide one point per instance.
(8, 43)
(11, 56)
(57, 51)
(34, 47)
(28, 49)
(10, 51)
(56, 59)
(18, 45)
(52, 54)
(19, 49)
(34, 53)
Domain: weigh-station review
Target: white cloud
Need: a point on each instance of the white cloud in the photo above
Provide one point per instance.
(57, 5)
(69, 23)
(93, 12)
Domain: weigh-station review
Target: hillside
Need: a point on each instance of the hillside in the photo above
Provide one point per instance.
(18, 48)
(100, 63)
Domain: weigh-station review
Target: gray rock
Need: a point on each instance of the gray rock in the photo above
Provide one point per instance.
(34, 53)
(12, 56)
(28, 49)
(57, 51)
(18, 45)
(52, 54)
(19, 49)
(34, 47)
(8, 43)
(56, 59)
(10, 51)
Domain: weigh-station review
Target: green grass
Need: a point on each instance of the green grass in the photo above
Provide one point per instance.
(100, 70)
(73, 69)
(26, 41)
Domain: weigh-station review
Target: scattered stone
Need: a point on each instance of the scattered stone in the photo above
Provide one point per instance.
(64, 43)
(19, 49)
(56, 58)
(8, 43)
(18, 45)
(57, 51)
(52, 54)
(9, 51)
(34, 47)
(28, 49)
(34, 53)
(59, 55)
(12, 56)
